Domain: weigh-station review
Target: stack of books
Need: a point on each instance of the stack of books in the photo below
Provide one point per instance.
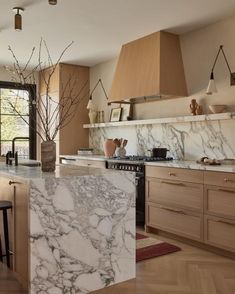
(85, 151)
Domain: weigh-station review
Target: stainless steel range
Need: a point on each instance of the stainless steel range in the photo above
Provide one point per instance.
(136, 164)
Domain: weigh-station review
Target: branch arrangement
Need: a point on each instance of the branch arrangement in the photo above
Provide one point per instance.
(51, 114)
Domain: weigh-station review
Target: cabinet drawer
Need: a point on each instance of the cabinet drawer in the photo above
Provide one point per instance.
(220, 232)
(220, 201)
(175, 193)
(219, 179)
(180, 222)
(180, 174)
(83, 162)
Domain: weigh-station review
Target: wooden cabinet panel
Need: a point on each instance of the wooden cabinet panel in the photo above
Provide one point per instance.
(180, 174)
(219, 179)
(175, 193)
(180, 222)
(54, 81)
(220, 201)
(220, 232)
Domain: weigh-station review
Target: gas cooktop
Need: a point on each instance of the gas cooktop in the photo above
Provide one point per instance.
(140, 159)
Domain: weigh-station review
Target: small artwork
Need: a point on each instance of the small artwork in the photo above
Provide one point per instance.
(116, 114)
(126, 112)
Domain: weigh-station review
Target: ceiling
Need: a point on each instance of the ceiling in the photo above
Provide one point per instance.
(99, 27)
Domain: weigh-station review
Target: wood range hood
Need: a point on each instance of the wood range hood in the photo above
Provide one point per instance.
(148, 69)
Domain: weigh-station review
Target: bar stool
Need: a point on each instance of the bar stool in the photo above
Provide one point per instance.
(4, 206)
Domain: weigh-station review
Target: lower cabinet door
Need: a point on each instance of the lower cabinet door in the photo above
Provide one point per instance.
(220, 232)
(180, 222)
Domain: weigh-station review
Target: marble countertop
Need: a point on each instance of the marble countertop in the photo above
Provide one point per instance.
(85, 157)
(61, 171)
(193, 165)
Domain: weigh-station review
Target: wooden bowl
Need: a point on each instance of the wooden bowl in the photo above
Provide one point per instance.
(217, 108)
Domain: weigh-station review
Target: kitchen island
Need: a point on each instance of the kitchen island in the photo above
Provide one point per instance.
(80, 227)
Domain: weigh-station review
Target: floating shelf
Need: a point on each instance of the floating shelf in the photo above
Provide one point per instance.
(167, 120)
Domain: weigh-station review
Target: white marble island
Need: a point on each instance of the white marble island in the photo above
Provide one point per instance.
(81, 228)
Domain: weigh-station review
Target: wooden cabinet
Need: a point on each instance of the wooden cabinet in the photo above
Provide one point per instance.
(220, 232)
(177, 221)
(69, 80)
(175, 193)
(84, 162)
(193, 204)
(16, 191)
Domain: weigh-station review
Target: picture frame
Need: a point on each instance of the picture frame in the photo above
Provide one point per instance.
(126, 112)
(115, 114)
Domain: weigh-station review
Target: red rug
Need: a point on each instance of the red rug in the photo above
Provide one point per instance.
(147, 247)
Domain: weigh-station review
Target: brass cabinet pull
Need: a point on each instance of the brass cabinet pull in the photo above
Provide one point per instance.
(226, 190)
(173, 210)
(227, 180)
(171, 183)
(226, 222)
(171, 174)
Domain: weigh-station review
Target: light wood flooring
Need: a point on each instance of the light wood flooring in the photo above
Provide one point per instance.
(190, 271)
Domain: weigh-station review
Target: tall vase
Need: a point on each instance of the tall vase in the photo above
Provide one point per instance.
(109, 148)
(48, 156)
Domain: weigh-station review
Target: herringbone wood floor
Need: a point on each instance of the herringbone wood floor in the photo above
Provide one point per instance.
(190, 271)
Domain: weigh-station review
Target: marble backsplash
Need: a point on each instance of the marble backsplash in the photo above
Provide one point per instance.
(188, 141)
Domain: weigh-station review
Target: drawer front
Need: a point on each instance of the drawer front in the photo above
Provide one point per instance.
(175, 193)
(220, 232)
(175, 221)
(220, 201)
(219, 179)
(83, 162)
(179, 174)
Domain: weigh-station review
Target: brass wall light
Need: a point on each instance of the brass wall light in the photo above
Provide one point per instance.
(18, 18)
(52, 2)
(211, 86)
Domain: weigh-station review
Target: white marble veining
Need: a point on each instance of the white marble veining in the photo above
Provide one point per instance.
(81, 228)
(193, 165)
(82, 232)
(186, 141)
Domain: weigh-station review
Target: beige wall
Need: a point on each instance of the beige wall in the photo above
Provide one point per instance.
(198, 49)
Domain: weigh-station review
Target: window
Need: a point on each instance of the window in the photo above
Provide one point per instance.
(17, 124)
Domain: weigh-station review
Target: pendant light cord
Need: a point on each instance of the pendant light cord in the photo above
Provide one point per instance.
(221, 50)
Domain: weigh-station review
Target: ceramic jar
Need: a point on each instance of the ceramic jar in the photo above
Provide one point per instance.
(109, 148)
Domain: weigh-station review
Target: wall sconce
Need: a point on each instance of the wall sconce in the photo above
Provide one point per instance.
(52, 2)
(18, 18)
(90, 104)
(211, 86)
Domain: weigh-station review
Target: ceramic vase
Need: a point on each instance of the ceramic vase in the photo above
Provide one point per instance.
(109, 148)
(48, 156)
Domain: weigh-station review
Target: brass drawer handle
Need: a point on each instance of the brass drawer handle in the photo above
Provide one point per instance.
(226, 190)
(171, 183)
(226, 222)
(171, 174)
(227, 180)
(173, 210)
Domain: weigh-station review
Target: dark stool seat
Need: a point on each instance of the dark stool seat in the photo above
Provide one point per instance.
(4, 206)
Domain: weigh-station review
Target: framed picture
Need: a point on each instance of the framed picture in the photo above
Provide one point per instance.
(115, 114)
(126, 111)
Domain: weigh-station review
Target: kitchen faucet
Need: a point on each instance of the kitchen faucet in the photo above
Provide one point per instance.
(12, 155)
(16, 139)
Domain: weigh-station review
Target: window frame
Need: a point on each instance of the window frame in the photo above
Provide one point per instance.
(31, 88)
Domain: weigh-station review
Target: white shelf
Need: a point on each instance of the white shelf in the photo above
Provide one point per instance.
(178, 119)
